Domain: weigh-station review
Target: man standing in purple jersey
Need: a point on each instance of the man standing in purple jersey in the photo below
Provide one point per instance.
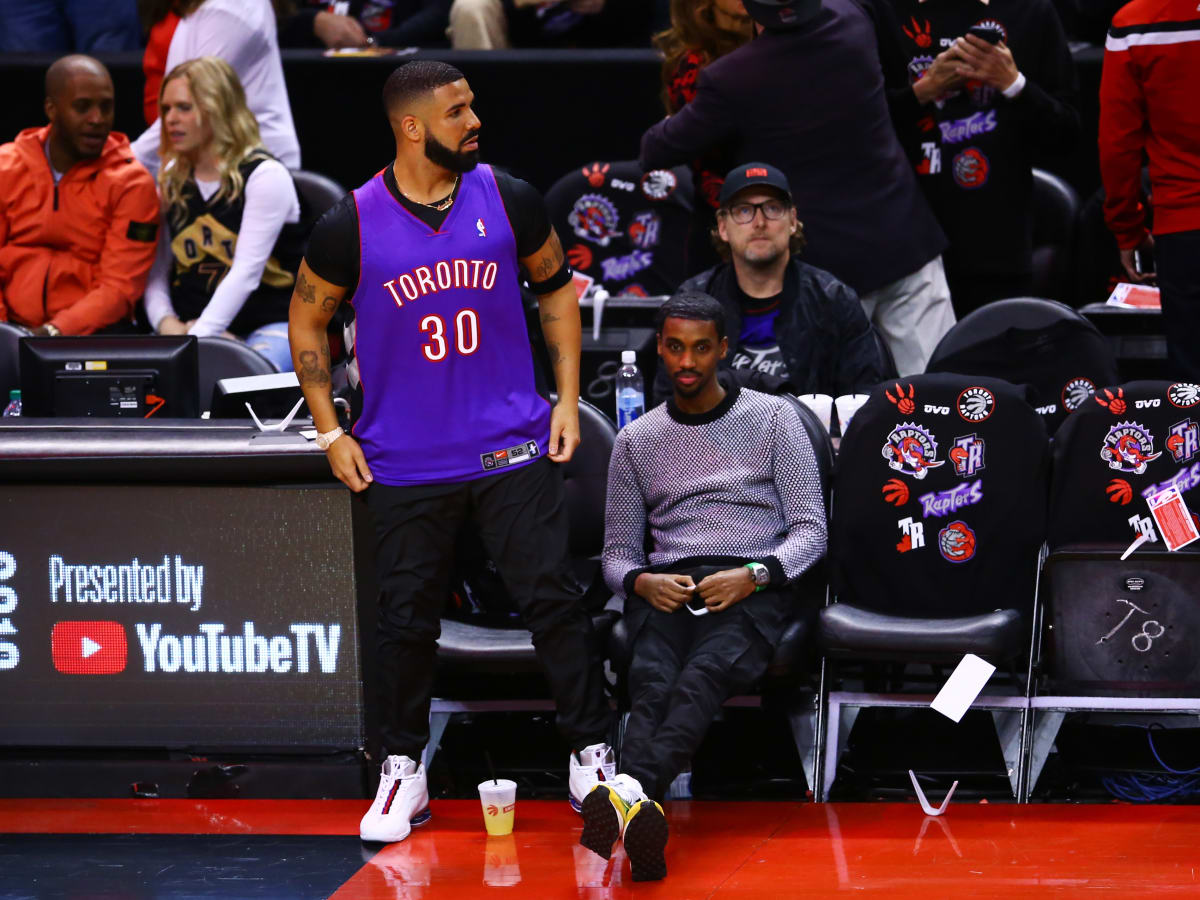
(430, 253)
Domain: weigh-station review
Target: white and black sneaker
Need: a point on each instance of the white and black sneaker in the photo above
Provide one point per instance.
(401, 802)
(589, 767)
(604, 810)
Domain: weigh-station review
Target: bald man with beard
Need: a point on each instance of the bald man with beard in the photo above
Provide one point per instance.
(78, 214)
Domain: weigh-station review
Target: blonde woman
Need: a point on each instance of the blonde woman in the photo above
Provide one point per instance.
(231, 215)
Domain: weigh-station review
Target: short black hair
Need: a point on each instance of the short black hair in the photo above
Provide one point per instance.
(415, 78)
(691, 304)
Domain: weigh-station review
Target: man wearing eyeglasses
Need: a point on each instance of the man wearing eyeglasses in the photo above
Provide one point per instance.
(792, 327)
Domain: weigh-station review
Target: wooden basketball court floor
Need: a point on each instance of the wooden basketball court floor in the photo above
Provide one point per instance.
(301, 849)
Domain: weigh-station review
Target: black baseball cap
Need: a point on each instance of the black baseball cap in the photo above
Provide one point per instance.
(782, 15)
(753, 174)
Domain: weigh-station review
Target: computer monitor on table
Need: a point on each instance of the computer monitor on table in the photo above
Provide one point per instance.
(126, 376)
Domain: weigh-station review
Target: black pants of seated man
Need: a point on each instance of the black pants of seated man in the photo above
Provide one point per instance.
(683, 668)
(521, 517)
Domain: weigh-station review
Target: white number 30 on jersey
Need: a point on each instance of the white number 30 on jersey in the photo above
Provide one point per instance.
(466, 335)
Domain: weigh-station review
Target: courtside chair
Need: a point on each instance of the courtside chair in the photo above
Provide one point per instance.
(1055, 224)
(1028, 340)
(317, 192)
(938, 524)
(787, 685)
(1113, 635)
(467, 649)
(10, 368)
(222, 357)
(623, 227)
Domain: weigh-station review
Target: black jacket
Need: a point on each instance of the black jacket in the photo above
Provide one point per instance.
(823, 333)
(419, 23)
(812, 102)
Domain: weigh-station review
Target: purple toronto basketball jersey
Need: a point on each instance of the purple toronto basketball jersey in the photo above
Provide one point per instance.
(443, 352)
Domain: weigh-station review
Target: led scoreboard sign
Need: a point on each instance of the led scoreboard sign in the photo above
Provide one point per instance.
(158, 616)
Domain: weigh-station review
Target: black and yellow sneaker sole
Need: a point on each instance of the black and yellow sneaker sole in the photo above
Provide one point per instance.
(601, 821)
(646, 840)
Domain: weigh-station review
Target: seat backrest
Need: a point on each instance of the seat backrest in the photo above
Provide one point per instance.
(1055, 210)
(10, 358)
(586, 480)
(821, 444)
(939, 498)
(624, 228)
(1055, 223)
(222, 357)
(1128, 442)
(1027, 340)
(317, 192)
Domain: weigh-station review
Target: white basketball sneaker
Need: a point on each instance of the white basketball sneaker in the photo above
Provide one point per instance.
(589, 767)
(401, 802)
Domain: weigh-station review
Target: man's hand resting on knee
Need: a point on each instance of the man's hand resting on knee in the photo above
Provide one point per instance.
(665, 592)
(721, 590)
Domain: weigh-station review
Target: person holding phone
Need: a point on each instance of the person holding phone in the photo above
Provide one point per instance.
(724, 482)
(992, 90)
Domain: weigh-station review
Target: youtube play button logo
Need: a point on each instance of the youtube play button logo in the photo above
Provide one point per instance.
(89, 648)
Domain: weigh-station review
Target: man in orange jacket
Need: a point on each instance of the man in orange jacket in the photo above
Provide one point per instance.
(78, 214)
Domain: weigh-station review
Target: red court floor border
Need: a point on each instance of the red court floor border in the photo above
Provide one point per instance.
(717, 849)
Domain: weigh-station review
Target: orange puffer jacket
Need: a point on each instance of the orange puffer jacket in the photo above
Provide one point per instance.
(75, 254)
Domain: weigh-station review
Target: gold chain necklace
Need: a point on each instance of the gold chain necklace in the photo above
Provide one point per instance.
(439, 205)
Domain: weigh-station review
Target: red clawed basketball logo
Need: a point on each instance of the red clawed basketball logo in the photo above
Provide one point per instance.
(970, 169)
(580, 257)
(957, 542)
(1119, 491)
(905, 404)
(921, 35)
(1115, 405)
(895, 492)
(595, 174)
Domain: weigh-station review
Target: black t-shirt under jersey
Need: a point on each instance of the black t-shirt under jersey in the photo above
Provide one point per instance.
(333, 248)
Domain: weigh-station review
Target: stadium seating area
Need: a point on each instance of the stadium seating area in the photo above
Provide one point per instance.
(1042, 422)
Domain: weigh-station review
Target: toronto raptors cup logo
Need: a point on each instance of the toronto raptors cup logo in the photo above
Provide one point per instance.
(1183, 394)
(956, 542)
(911, 450)
(1076, 392)
(1128, 447)
(970, 169)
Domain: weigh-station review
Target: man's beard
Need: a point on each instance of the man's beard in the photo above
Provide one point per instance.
(453, 160)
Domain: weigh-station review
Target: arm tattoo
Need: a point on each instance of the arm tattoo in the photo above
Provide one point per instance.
(314, 370)
(329, 304)
(549, 264)
(306, 290)
(549, 317)
(555, 353)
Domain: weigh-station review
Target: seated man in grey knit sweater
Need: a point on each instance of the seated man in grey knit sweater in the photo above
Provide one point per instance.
(725, 483)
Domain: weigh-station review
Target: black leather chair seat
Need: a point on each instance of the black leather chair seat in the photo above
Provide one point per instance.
(849, 631)
(478, 646)
(789, 659)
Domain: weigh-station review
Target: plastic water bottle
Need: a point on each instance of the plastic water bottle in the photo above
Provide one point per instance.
(631, 391)
(14, 404)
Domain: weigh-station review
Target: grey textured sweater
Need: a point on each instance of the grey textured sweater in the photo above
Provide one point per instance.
(737, 482)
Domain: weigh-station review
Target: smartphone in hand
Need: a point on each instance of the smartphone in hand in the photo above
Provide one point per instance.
(991, 35)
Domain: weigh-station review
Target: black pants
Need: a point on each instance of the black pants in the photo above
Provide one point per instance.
(684, 667)
(1177, 264)
(522, 520)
